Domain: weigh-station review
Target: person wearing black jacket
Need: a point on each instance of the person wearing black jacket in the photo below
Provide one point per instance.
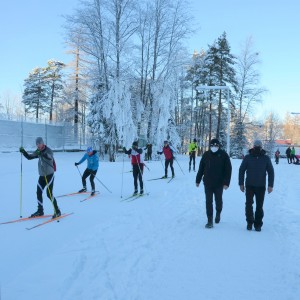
(256, 164)
(215, 168)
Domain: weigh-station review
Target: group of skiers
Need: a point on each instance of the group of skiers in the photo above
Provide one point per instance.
(214, 170)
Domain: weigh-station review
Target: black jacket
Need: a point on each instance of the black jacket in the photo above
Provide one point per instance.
(215, 168)
(256, 164)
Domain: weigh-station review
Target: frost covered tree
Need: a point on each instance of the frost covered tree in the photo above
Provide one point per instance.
(35, 95)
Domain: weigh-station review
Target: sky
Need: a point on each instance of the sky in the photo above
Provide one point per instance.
(155, 247)
(32, 33)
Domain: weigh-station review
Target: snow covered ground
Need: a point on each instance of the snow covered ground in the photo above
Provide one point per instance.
(153, 248)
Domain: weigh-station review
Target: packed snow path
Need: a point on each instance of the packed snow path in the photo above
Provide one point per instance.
(152, 248)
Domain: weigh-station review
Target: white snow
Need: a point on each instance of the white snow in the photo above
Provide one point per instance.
(153, 248)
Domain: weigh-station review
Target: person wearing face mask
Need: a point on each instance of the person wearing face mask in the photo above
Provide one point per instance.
(256, 164)
(215, 169)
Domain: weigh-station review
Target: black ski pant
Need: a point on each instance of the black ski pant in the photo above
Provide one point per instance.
(259, 193)
(167, 163)
(192, 158)
(209, 193)
(86, 174)
(137, 171)
(45, 182)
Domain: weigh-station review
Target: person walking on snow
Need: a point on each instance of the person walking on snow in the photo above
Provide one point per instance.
(215, 169)
(192, 153)
(46, 168)
(288, 154)
(277, 155)
(91, 170)
(137, 166)
(256, 164)
(168, 151)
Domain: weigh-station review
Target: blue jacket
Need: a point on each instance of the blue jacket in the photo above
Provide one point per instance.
(92, 161)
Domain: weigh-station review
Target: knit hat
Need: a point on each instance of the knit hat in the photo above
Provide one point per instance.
(257, 143)
(89, 149)
(195, 140)
(166, 142)
(39, 141)
(215, 142)
(135, 143)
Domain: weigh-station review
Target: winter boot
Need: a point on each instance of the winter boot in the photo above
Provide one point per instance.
(164, 177)
(257, 228)
(56, 214)
(218, 217)
(93, 193)
(209, 224)
(135, 192)
(249, 226)
(82, 190)
(141, 192)
(38, 213)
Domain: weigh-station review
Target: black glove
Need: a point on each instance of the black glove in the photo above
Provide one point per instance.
(21, 149)
(76, 164)
(124, 149)
(37, 152)
(158, 152)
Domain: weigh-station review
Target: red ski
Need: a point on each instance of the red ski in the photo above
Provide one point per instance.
(50, 220)
(25, 219)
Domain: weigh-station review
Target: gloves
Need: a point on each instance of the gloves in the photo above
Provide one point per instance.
(37, 152)
(21, 149)
(76, 164)
(157, 152)
(124, 149)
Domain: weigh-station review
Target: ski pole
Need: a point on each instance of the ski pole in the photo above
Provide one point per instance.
(146, 166)
(179, 166)
(79, 171)
(21, 186)
(102, 183)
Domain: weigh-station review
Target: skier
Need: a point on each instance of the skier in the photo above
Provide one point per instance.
(293, 153)
(277, 154)
(46, 168)
(137, 166)
(256, 164)
(148, 155)
(91, 170)
(168, 151)
(192, 153)
(215, 168)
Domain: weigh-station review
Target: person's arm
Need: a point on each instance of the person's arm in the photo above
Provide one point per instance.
(82, 160)
(34, 155)
(200, 172)
(228, 171)
(271, 175)
(242, 171)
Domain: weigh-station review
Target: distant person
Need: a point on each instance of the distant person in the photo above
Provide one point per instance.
(46, 168)
(288, 154)
(215, 169)
(137, 166)
(293, 153)
(277, 156)
(148, 149)
(256, 165)
(168, 151)
(91, 170)
(192, 153)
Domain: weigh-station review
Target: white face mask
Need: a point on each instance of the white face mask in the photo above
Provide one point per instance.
(214, 149)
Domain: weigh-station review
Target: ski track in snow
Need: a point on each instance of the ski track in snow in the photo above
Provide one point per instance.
(155, 247)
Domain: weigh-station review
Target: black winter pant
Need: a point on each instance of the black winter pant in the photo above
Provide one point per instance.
(192, 158)
(259, 193)
(45, 182)
(209, 193)
(86, 174)
(167, 163)
(138, 174)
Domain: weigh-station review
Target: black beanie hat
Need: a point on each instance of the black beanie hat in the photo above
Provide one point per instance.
(135, 143)
(215, 142)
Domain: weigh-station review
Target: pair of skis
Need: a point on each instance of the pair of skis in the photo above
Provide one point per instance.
(37, 218)
(134, 197)
(162, 178)
(78, 193)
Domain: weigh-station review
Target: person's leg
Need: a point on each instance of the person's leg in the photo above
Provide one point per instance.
(140, 174)
(49, 190)
(85, 175)
(92, 178)
(39, 194)
(209, 204)
(135, 172)
(249, 206)
(219, 202)
(172, 168)
(190, 162)
(194, 161)
(259, 212)
(166, 167)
